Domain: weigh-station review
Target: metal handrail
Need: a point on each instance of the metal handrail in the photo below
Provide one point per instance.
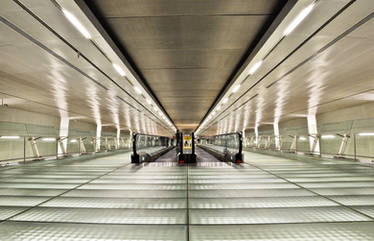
(352, 136)
(56, 139)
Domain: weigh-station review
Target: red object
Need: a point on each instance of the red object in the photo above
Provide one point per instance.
(238, 161)
(181, 161)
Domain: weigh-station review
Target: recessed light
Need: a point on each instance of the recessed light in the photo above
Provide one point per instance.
(137, 90)
(235, 89)
(10, 137)
(77, 24)
(305, 12)
(255, 67)
(119, 70)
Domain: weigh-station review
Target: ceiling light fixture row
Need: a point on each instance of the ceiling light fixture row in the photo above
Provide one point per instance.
(291, 27)
(79, 26)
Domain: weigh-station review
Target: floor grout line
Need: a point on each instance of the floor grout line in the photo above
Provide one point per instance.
(59, 195)
(188, 205)
(197, 224)
(307, 189)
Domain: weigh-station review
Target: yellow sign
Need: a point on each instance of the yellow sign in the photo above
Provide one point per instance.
(187, 142)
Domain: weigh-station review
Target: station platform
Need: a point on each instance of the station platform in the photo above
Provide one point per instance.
(265, 198)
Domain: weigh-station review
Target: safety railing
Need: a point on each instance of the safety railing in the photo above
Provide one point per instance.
(227, 147)
(357, 146)
(26, 148)
(147, 148)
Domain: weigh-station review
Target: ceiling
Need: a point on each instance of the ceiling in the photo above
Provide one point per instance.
(182, 60)
(185, 51)
(48, 66)
(323, 65)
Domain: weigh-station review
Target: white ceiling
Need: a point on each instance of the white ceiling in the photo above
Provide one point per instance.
(47, 66)
(326, 63)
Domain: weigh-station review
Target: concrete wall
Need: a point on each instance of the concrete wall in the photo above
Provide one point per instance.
(351, 121)
(14, 122)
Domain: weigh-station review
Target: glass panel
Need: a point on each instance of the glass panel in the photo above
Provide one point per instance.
(150, 144)
(223, 143)
(11, 148)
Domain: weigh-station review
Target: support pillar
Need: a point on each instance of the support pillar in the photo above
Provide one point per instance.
(82, 148)
(313, 134)
(107, 145)
(259, 139)
(256, 135)
(293, 144)
(62, 146)
(98, 137)
(276, 135)
(343, 144)
(34, 147)
(63, 136)
(268, 142)
(117, 140)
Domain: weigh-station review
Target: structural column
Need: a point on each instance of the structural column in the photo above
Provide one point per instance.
(276, 135)
(98, 136)
(256, 135)
(63, 134)
(313, 134)
(118, 143)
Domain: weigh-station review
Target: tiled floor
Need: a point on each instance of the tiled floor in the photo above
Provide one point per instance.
(267, 198)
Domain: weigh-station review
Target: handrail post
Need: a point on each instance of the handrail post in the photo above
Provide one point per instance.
(24, 149)
(355, 147)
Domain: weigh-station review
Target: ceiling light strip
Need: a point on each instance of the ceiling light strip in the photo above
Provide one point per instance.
(118, 69)
(297, 48)
(76, 23)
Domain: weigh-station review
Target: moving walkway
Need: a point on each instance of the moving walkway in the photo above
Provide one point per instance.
(227, 147)
(147, 148)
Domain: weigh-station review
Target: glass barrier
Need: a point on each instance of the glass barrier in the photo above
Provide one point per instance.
(354, 146)
(24, 148)
(224, 143)
(364, 145)
(228, 146)
(147, 144)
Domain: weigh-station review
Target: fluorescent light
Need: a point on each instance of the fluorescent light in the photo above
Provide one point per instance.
(235, 89)
(77, 24)
(298, 19)
(327, 136)
(301, 138)
(255, 67)
(149, 101)
(218, 107)
(73, 141)
(47, 139)
(137, 90)
(366, 134)
(225, 100)
(10, 137)
(119, 70)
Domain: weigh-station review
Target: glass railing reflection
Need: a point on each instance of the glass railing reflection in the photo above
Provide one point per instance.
(329, 144)
(227, 147)
(14, 149)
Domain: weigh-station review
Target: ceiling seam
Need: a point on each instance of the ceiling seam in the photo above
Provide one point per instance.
(89, 12)
(354, 27)
(289, 55)
(75, 49)
(280, 14)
